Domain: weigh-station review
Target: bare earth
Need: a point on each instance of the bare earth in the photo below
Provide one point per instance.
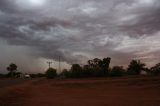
(127, 91)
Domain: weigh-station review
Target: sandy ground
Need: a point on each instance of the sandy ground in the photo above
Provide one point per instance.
(144, 91)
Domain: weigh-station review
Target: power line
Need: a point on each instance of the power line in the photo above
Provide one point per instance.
(59, 63)
(49, 64)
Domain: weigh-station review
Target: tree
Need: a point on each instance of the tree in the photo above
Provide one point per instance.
(94, 63)
(88, 71)
(135, 67)
(156, 69)
(117, 71)
(51, 73)
(2, 75)
(100, 67)
(76, 70)
(65, 73)
(104, 64)
(12, 68)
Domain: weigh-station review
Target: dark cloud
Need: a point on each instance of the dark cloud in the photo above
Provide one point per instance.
(147, 22)
(78, 30)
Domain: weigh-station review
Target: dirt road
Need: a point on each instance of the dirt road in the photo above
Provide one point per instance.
(87, 92)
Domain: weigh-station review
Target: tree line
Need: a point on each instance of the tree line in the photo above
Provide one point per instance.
(94, 68)
(101, 68)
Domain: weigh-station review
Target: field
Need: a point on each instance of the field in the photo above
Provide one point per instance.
(125, 91)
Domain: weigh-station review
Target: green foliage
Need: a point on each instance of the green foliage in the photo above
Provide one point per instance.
(100, 68)
(65, 73)
(156, 69)
(104, 64)
(12, 68)
(38, 75)
(135, 67)
(99, 72)
(76, 71)
(2, 75)
(88, 71)
(94, 68)
(117, 71)
(51, 73)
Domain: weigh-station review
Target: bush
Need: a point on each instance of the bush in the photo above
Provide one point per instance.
(65, 73)
(156, 69)
(135, 67)
(2, 75)
(117, 71)
(76, 71)
(131, 72)
(51, 73)
(39, 75)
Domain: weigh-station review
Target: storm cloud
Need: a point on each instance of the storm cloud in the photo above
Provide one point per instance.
(78, 30)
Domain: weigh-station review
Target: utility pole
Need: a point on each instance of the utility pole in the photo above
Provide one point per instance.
(59, 63)
(49, 64)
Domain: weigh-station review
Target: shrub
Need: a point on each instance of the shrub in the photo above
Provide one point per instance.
(76, 71)
(135, 67)
(51, 73)
(117, 71)
(156, 69)
(38, 75)
(65, 73)
(2, 75)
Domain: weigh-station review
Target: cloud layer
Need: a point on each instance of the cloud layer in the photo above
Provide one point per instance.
(77, 30)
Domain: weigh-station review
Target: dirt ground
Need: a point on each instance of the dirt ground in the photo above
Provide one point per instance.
(127, 91)
(9, 82)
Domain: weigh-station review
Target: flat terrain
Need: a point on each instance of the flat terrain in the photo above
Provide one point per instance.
(126, 91)
(10, 82)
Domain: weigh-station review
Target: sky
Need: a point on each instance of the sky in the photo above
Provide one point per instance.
(33, 32)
